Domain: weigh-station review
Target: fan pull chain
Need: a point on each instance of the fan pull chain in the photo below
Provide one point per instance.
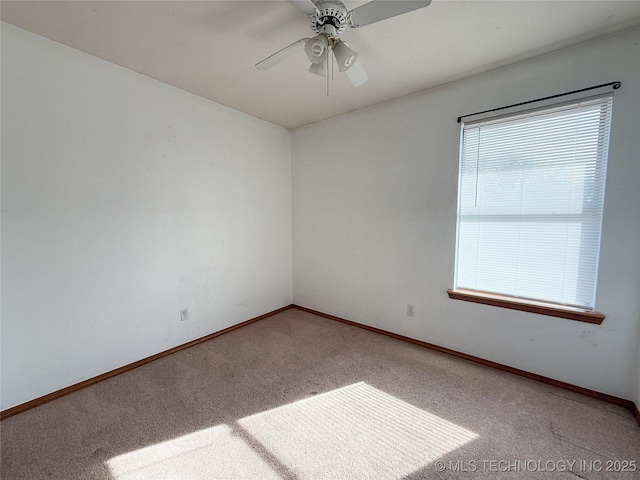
(327, 61)
(332, 69)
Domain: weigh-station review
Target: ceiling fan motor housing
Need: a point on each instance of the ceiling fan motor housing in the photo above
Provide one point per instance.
(331, 18)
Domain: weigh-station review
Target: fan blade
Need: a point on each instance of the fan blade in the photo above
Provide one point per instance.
(281, 54)
(305, 6)
(376, 11)
(357, 74)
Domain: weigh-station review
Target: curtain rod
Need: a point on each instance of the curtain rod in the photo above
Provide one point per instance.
(615, 85)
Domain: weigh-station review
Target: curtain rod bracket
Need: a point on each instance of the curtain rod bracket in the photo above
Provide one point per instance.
(616, 85)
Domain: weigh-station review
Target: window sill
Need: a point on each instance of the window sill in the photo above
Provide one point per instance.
(532, 306)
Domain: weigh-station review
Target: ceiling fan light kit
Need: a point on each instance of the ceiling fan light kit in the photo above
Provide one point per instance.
(344, 56)
(316, 48)
(319, 68)
(328, 19)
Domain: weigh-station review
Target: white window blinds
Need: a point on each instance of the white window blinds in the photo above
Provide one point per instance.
(530, 203)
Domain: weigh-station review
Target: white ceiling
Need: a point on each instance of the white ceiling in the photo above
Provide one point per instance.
(210, 47)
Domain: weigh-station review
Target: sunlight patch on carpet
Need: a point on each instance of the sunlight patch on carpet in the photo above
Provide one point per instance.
(215, 452)
(354, 432)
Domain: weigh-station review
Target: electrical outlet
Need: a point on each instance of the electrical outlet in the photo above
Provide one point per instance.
(184, 315)
(410, 310)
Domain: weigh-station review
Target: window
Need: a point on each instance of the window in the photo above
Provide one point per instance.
(530, 200)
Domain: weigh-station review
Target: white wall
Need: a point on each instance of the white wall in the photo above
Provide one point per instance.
(125, 200)
(374, 195)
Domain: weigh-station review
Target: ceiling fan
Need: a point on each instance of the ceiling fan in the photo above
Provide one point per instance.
(328, 19)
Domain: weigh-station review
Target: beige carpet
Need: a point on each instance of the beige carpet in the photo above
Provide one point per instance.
(297, 396)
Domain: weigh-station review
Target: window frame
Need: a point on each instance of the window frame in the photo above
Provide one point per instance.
(513, 302)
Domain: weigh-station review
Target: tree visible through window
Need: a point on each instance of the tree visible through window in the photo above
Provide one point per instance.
(531, 195)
